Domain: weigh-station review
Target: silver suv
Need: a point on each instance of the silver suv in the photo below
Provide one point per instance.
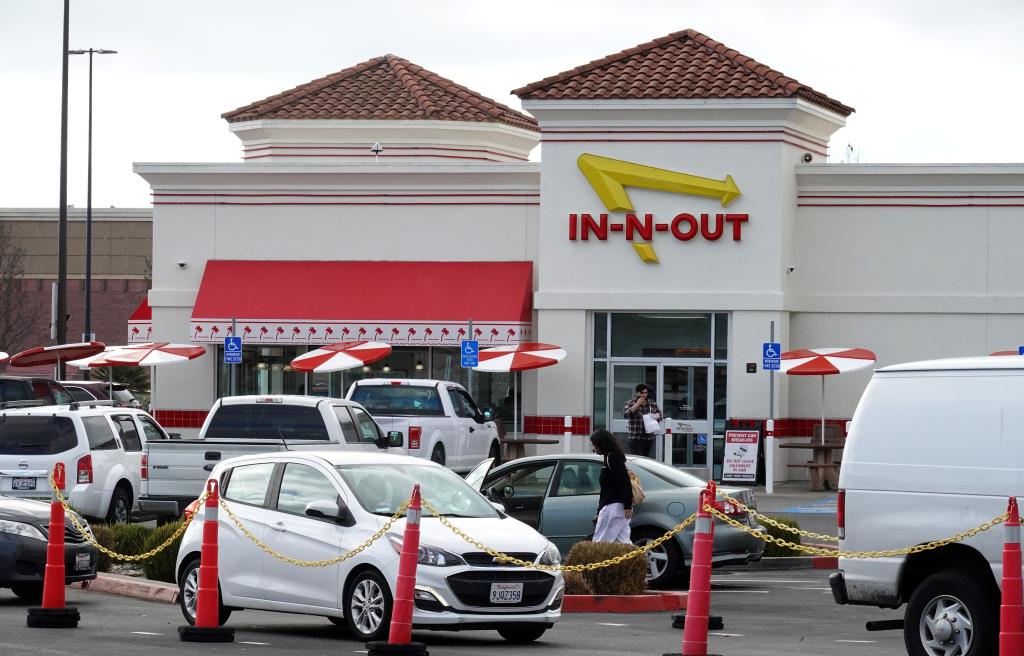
(100, 446)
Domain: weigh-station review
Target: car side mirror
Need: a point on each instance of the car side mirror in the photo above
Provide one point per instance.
(174, 436)
(393, 438)
(324, 509)
(489, 413)
(480, 417)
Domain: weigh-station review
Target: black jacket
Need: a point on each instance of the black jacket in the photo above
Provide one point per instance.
(615, 485)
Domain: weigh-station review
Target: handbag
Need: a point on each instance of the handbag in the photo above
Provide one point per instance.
(651, 424)
(637, 488)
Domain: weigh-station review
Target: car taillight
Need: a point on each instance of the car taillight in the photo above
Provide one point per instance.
(144, 471)
(841, 514)
(191, 509)
(732, 509)
(85, 469)
(414, 436)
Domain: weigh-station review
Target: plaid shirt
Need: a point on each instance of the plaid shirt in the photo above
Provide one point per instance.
(636, 419)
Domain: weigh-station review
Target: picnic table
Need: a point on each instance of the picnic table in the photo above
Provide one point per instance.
(826, 457)
(512, 449)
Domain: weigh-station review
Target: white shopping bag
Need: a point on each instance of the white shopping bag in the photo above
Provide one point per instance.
(651, 425)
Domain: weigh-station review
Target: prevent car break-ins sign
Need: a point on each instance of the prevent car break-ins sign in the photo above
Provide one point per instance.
(739, 463)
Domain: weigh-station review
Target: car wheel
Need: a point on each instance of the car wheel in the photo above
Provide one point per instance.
(495, 454)
(950, 613)
(30, 592)
(663, 561)
(368, 606)
(120, 510)
(522, 633)
(437, 455)
(188, 597)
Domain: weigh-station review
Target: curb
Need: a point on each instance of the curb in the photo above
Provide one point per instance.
(794, 562)
(645, 603)
(127, 586)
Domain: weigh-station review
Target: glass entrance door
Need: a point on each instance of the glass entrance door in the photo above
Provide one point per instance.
(682, 392)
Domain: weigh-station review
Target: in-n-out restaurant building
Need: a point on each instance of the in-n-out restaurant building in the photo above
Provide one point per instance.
(681, 205)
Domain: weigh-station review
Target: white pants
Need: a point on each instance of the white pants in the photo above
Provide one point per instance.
(612, 525)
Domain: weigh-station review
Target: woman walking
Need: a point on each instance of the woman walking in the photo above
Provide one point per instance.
(615, 505)
(641, 404)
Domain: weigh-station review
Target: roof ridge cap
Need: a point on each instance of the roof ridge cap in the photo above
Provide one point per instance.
(408, 79)
(270, 103)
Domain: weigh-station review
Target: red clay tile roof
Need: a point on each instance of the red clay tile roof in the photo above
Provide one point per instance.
(382, 88)
(684, 64)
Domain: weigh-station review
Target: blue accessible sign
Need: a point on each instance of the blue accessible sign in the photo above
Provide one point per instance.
(232, 350)
(470, 349)
(1020, 350)
(770, 354)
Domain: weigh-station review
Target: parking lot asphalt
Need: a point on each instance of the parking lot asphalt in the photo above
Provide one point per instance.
(766, 614)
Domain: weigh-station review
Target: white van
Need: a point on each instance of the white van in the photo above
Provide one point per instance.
(934, 448)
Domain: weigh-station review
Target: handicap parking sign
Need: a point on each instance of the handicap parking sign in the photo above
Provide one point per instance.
(232, 350)
(470, 349)
(770, 354)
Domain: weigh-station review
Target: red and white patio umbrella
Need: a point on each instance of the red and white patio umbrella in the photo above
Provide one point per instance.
(824, 362)
(97, 361)
(54, 355)
(341, 356)
(994, 353)
(152, 354)
(516, 358)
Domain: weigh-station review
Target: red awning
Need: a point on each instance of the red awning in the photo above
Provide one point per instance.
(140, 324)
(401, 303)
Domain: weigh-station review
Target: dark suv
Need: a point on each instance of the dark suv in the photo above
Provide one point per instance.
(91, 390)
(18, 388)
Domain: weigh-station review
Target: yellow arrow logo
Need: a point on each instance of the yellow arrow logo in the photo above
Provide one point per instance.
(609, 178)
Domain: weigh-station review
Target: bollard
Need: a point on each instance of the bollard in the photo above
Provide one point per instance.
(400, 635)
(1011, 611)
(567, 447)
(698, 604)
(666, 456)
(769, 456)
(53, 614)
(207, 627)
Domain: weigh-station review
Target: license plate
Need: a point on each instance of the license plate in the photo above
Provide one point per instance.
(83, 562)
(23, 483)
(506, 593)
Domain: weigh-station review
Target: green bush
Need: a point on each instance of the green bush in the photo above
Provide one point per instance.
(104, 536)
(160, 567)
(129, 539)
(773, 550)
(627, 578)
(575, 584)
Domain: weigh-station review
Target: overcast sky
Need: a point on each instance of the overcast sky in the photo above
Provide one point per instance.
(931, 80)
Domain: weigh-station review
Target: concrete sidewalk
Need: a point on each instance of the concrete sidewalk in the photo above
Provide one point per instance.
(795, 497)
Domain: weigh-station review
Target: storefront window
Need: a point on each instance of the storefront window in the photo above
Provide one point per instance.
(720, 415)
(721, 336)
(600, 334)
(600, 394)
(661, 335)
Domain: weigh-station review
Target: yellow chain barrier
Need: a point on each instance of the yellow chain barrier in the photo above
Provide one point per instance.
(501, 557)
(73, 516)
(315, 563)
(777, 524)
(817, 551)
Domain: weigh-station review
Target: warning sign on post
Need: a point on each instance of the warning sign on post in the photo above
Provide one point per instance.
(739, 464)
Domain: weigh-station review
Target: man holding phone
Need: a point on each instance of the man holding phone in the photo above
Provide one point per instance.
(642, 403)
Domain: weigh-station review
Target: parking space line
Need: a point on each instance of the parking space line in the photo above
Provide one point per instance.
(860, 642)
(145, 633)
(611, 624)
(243, 642)
(727, 635)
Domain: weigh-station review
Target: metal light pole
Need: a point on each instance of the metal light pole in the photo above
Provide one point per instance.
(87, 334)
(62, 227)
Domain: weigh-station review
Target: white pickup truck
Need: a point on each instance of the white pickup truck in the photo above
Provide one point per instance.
(174, 471)
(441, 420)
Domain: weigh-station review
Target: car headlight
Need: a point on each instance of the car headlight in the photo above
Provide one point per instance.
(550, 556)
(428, 555)
(24, 530)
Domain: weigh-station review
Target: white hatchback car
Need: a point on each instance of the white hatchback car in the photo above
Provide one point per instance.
(319, 505)
(99, 445)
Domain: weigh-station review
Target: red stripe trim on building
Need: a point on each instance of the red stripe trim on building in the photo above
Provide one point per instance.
(796, 135)
(361, 148)
(381, 195)
(942, 197)
(477, 159)
(791, 426)
(555, 425)
(785, 141)
(910, 204)
(360, 204)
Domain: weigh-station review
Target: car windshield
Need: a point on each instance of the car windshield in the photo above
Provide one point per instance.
(381, 489)
(666, 473)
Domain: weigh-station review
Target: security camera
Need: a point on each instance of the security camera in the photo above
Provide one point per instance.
(182, 265)
(808, 158)
(790, 269)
